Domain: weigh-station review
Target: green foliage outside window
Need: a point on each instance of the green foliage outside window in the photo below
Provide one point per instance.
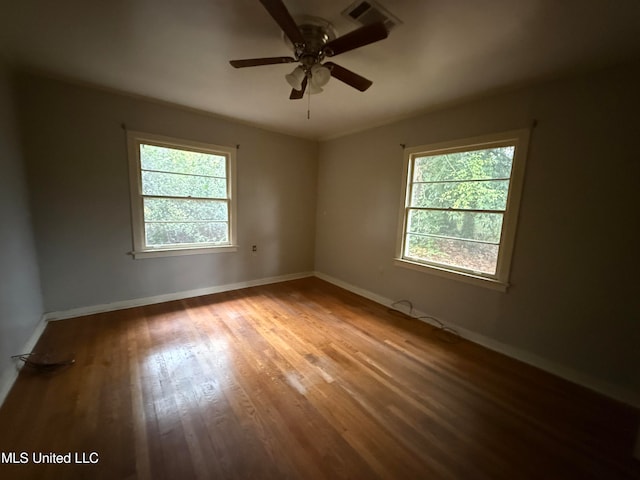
(185, 196)
(464, 195)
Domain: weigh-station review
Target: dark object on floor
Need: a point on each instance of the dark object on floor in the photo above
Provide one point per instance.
(45, 362)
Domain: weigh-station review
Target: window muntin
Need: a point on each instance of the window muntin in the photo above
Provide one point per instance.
(182, 195)
(460, 205)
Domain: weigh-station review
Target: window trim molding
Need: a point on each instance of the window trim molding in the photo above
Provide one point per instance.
(500, 281)
(140, 250)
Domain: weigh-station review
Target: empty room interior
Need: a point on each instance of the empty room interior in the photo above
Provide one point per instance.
(408, 253)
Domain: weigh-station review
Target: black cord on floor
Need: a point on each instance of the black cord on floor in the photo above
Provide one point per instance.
(42, 363)
(444, 333)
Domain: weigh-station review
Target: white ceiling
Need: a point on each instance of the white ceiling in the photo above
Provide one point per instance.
(445, 51)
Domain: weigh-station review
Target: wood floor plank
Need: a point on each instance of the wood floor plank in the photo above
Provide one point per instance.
(299, 380)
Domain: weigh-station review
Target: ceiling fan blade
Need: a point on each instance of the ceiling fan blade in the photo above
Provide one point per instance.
(358, 38)
(256, 62)
(298, 94)
(283, 18)
(347, 76)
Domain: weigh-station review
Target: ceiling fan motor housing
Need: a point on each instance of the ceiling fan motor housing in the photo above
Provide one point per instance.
(316, 32)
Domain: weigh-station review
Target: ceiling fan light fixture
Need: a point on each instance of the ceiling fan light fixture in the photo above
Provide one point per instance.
(320, 75)
(295, 78)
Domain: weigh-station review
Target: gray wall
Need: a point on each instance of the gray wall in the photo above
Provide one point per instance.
(574, 295)
(78, 181)
(20, 298)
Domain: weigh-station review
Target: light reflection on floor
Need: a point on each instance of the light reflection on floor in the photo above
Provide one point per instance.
(193, 375)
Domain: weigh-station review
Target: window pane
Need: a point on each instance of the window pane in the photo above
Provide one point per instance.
(477, 257)
(158, 234)
(178, 185)
(172, 209)
(472, 165)
(479, 195)
(181, 161)
(485, 227)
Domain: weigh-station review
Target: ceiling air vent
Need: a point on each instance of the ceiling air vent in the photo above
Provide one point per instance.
(365, 13)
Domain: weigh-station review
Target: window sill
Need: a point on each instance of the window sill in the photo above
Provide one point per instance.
(453, 275)
(174, 252)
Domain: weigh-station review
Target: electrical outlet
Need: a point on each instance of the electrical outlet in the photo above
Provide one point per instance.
(254, 248)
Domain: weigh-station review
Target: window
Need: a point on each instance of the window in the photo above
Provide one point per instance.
(460, 206)
(182, 196)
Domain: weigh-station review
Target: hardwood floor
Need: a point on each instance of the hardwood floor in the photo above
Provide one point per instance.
(300, 380)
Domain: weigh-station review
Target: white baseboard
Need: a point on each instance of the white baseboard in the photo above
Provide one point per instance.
(567, 373)
(10, 374)
(139, 302)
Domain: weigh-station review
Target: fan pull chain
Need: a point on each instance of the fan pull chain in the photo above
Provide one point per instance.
(309, 104)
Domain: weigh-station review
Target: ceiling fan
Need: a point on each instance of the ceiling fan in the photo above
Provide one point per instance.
(312, 41)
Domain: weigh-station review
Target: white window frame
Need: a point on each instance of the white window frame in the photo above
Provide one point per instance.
(140, 249)
(500, 280)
